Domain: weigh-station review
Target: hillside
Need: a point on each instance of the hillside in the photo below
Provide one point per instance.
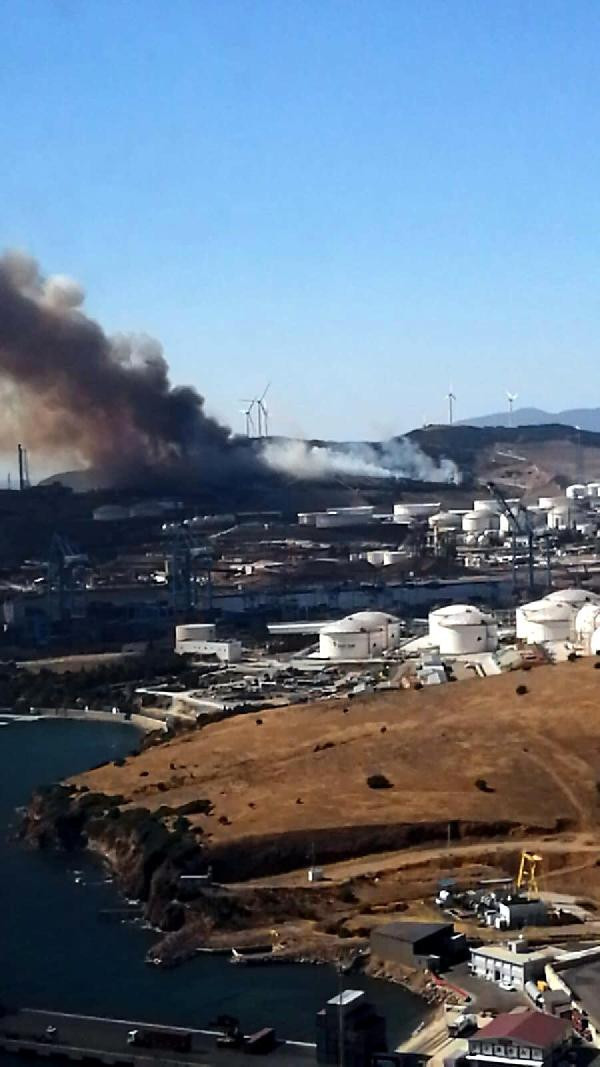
(476, 772)
(585, 418)
(301, 776)
(530, 459)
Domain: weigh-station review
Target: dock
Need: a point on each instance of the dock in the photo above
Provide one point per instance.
(95, 1039)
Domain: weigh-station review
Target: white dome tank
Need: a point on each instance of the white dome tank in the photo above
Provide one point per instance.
(460, 629)
(595, 643)
(475, 522)
(574, 596)
(445, 520)
(410, 512)
(576, 491)
(393, 556)
(359, 636)
(587, 621)
(547, 502)
(593, 489)
(545, 620)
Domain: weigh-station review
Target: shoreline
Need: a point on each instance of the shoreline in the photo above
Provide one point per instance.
(142, 722)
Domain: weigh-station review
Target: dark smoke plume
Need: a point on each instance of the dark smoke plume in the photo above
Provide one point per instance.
(109, 401)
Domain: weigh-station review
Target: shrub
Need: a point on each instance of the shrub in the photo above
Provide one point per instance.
(572, 657)
(259, 722)
(481, 784)
(378, 781)
(383, 730)
(521, 690)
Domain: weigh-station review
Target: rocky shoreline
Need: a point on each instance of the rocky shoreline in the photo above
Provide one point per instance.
(149, 852)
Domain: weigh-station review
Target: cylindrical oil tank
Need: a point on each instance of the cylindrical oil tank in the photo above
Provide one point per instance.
(487, 504)
(475, 522)
(562, 516)
(412, 510)
(587, 621)
(195, 631)
(545, 620)
(574, 596)
(506, 523)
(445, 520)
(595, 643)
(461, 629)
(547, 502)
(593, 489)
(576, 491)
(376, 557)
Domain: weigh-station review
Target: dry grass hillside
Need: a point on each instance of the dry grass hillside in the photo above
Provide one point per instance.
(476, 754)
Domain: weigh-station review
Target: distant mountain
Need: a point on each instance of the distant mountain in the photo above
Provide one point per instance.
(585, 418)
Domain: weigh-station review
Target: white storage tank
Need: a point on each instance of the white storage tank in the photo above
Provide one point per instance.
(195, 631)
(577, 491)
(475, 522)
(547, 502)
(487, 504)
(359, 636)
(445, 520)
(587, 622)
(574, 596)
(562, 516)
(410, 512)
(545, 620)
(460, 629)
(375, 557)
(595, 643)
(593, 489)
(506, 523)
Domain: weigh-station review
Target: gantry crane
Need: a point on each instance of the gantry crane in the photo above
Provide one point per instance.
(519, 522)
(527, 878)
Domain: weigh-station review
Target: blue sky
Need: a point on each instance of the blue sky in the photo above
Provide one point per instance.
(360, 201)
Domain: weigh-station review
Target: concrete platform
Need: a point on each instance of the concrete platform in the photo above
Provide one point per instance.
(91, 1038)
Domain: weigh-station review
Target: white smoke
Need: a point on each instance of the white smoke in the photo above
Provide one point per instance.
(398, 458)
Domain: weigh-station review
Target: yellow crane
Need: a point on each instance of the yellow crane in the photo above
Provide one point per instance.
(528, 867)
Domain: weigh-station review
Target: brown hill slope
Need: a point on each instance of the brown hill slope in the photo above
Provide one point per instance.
(300, 777)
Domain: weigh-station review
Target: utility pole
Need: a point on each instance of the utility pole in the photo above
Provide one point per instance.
(450, 397)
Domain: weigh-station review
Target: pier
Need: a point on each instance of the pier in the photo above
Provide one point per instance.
(57, 1036)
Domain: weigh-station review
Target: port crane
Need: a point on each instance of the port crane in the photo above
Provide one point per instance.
(528, 867)
(519, 522)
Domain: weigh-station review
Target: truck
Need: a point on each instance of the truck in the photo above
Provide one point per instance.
(462, 1024)
(177, 1040)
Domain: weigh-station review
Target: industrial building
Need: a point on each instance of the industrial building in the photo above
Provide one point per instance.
(461, 628)
(418, 944)
(349, 1030)
(533, 1036)
(363, 635)
(512, 965)
(199, 639)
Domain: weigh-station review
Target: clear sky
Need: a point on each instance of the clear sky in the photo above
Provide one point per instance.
(364, 201)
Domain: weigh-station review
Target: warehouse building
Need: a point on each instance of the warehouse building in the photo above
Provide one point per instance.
(510, 965)
(416, 944)
(531, 1036)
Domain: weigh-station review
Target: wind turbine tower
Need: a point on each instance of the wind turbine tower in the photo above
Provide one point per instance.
(451, 398)
(511, 397)
(262, 413)
(247, 412)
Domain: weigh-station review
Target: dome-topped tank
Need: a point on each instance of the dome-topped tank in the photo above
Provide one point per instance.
(460, 629)
(545, 620)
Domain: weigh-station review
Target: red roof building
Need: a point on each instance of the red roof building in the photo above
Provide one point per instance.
(525, 1036)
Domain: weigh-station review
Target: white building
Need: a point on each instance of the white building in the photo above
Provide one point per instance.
(360, 636)
(460, 629)
(198, 639)
(513, 964)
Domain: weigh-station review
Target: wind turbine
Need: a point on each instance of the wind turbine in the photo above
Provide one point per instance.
(247, 412)
(263, 414)
(450, 397)
(511, 397)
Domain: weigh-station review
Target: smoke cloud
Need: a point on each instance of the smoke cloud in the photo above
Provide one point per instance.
(398, 458)
(106, 401)
(67, 388)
